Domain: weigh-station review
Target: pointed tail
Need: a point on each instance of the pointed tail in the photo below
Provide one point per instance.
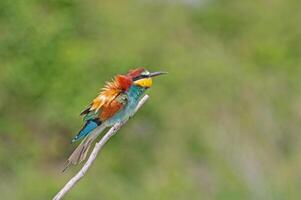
(80, 153)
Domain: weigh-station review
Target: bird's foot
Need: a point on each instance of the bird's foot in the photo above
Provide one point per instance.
(117, 126)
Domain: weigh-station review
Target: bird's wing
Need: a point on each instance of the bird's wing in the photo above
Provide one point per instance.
(114, 106)
(110, 100)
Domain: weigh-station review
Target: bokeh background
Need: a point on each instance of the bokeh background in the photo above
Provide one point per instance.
(224, 124)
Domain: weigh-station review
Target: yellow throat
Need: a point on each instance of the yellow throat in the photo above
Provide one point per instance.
(145, 82)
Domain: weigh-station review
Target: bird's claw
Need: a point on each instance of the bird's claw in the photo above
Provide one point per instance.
(117, 126)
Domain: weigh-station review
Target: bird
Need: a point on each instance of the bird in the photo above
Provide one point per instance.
(115, 103)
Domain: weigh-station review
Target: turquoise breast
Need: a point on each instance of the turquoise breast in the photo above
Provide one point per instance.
(134, 95)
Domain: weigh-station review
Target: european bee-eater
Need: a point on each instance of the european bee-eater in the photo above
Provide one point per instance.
(115, 103)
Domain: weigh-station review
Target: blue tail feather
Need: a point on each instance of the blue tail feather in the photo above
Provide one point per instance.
(88, 128)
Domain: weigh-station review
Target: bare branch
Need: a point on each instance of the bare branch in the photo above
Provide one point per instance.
(97, 148)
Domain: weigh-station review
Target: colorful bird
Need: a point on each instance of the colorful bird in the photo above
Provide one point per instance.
(115, 103)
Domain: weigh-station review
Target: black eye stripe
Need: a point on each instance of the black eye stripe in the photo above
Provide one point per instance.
(140, 77)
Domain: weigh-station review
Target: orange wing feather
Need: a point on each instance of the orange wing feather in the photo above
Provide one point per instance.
(110, 110)
(106, 101)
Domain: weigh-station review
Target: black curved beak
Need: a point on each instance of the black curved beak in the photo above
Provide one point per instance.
(153, 74)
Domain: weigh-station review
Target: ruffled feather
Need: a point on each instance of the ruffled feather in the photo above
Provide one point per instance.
(105, 101)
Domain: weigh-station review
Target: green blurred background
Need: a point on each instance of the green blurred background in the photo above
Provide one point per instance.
(224, 124)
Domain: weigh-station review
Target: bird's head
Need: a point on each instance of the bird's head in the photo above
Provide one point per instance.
(143, 78)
